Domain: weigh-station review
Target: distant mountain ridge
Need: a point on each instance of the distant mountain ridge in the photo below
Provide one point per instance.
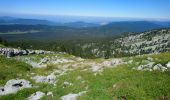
(11, 20)
(17, 29)
(5, 20)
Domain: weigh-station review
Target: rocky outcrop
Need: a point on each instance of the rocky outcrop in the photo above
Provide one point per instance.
(12, 86)
(36, 96)
(51, 79)
(98, 67)
(72, 96)
(36, 65)
(168, 65)
(11, 52)
(150, 65)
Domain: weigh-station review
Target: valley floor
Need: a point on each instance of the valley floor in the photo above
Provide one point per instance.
(62, 76)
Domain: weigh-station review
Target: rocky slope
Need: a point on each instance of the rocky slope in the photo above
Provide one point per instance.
(11, 52)
(59, 76)
(47, 75)
(154, 41)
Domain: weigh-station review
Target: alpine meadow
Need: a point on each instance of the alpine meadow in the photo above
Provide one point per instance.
(84, 50)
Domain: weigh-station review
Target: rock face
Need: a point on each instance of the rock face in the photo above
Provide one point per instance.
(11, 52)
(72, 96)
(51, 79)
(36, 96)
(12, 86)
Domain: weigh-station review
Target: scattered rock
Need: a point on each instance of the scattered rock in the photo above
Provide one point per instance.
(150, 67)
(72, 96)
(65, 84)
(51, 79)
(12, 86)
(130, 61)
(150, 59)
(36, 65)
(44, 60)
(11, 52)
(116, 62)
(61, 60)
(107, 63)
(97, 68)
(159, 67)
(36, 96)
(79, 59)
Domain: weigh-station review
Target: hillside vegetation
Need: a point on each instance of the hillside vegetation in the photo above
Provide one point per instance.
(67, 31)
(134, 66)
(98, 78)
(128, 44)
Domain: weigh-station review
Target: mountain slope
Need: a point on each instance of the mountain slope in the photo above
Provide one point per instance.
(11, 20)
(63, 75)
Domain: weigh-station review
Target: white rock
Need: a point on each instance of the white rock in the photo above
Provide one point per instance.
(12, 86)
(96, 68)
(130, 61)
(44, 60)
(168, 65)
(116, 61)
(51, 79)
(72, 96)
(80, 59)
(50, 94)
(36, 65)
(163, 69)
(140, 67)
(67, 83)
(36, 96)
(156, 67)
(149, 65)
(150, 59)
(107, 63)
(62, 60)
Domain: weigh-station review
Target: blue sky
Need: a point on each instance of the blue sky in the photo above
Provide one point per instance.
(106, 8)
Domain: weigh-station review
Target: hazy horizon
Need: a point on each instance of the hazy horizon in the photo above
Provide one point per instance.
(72, 18)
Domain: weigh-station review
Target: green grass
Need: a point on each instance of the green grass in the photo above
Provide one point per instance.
(10, 68)
(113, 83)
(1, 45)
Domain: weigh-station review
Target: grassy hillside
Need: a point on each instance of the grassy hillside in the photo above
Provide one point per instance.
(114, 82)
